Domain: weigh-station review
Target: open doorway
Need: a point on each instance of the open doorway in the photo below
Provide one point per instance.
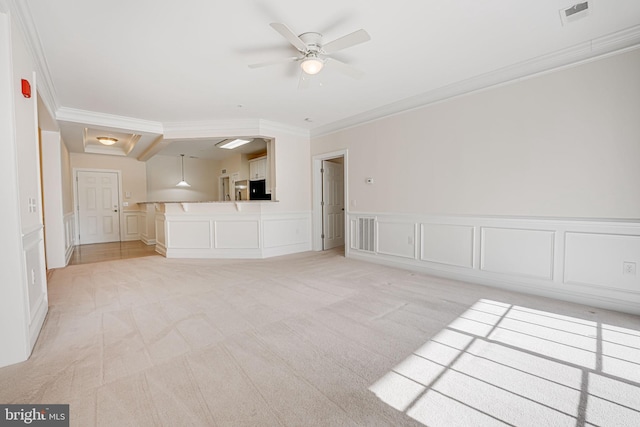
(329, 200)
(224, 189)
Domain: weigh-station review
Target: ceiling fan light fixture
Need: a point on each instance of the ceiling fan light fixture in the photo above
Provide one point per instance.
(106, 140)
(230, 145)
(312, 65)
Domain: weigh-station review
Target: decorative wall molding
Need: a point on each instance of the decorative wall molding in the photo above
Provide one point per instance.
(517, 251)
(131, 222)
(579, 260)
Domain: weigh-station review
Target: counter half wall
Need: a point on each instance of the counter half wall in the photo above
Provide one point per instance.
(249, 229)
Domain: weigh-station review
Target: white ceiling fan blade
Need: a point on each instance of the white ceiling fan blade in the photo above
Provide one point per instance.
(349, 40)
(344, 68)
(276, 61)
(289, 35)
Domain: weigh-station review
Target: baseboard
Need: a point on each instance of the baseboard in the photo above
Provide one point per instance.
(147, 241)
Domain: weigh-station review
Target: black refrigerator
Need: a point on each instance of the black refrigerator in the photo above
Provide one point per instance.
(257, 190)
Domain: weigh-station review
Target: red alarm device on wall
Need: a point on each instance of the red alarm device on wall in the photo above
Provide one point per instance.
(26, 88)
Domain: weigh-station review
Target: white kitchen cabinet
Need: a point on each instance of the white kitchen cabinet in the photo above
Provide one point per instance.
(258, 169)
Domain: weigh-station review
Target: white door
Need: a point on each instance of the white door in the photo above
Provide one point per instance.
(332, 204)
(98, 216)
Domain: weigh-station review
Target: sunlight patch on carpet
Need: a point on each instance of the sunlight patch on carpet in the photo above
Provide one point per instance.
(500, 364)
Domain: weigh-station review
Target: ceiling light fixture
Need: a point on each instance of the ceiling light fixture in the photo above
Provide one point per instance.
(106, 140)
(182, 183)
(230, 145)
(312, 64)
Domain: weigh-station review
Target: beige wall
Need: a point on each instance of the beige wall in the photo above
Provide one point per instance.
(235, 164)
(563, 144)
(164, 172)
(67, 180)
(291, 158)
(134, 178)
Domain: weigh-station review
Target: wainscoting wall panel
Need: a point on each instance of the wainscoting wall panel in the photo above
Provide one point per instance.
(131, 225)
(447, 244)
(69, 235)
(146, 217)
(599, 260)
(517, 251)
(595, 262)
(231, 234)
(396, 239)
(189, 234)
(285, 232)
(36, 283)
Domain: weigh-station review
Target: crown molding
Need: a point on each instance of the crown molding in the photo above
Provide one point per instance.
(212, 128)
(45, 87)
(610, 44)
(267, 126)
(229, 128)
(92, 118)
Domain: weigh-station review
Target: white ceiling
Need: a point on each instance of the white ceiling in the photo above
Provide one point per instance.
(158, 61)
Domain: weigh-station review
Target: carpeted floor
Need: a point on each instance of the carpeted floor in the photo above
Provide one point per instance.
(317, 339)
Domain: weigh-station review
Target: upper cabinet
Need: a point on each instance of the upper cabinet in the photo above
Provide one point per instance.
(258, 169)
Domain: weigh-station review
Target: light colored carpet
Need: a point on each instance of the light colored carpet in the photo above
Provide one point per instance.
(317, 339)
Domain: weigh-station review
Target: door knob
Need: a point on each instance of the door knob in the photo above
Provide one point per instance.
(115, 210)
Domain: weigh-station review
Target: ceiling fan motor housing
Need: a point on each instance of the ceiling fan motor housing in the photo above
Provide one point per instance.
(313, 42)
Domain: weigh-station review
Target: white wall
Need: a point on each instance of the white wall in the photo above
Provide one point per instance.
(23, 293)
(291, 158)
(52, 186)
(164, 172)
(563, 144)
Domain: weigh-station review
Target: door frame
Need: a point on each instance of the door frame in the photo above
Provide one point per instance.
(76, 207)
(316, 165)
(221, 179)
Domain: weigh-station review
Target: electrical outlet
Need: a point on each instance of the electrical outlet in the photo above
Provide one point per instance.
(629, 268)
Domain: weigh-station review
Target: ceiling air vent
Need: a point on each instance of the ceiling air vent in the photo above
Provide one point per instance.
(575, 12)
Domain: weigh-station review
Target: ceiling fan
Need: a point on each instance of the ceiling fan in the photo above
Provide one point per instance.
(315, 54)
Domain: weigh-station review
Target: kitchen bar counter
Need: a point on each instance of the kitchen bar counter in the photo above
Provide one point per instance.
(232, 229)
(186, 206)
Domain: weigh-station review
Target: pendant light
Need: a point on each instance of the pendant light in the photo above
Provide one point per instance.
(182, 183)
